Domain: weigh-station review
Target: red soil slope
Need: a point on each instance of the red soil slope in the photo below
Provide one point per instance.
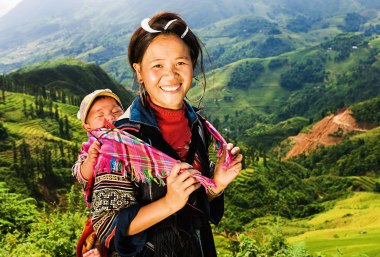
(328, 131)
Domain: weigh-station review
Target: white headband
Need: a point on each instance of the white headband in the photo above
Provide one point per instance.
(145, 25)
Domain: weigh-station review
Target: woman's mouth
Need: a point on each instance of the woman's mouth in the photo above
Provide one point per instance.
(171, 88)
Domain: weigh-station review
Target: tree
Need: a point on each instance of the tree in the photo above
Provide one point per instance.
(67, 127)
(3, 132)
(353, 22)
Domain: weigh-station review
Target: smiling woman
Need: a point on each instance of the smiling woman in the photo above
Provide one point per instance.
(7, 5)
(172, 217)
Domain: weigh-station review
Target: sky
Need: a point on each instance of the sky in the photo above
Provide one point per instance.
(7, 5)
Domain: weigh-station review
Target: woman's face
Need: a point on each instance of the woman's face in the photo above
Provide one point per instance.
(166, 70)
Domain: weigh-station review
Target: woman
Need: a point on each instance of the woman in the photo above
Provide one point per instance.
(171, 219)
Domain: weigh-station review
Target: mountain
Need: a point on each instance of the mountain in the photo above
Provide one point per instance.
(40, 133)
(80, 26)
(74, 78)
(278, 69)
(99, 31)
(265, 100)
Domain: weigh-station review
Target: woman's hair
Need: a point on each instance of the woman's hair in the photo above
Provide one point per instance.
(164, 22)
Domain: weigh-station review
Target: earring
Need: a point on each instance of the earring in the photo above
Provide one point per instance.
(143, 94)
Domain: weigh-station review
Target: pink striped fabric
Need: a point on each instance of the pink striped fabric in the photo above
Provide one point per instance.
(119, 148)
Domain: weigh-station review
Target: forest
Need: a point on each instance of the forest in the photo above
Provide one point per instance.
(273, 77)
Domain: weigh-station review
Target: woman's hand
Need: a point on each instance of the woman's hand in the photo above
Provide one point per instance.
(180, 184)
(223, 176)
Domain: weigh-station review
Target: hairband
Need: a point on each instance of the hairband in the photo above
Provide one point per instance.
(145, 25)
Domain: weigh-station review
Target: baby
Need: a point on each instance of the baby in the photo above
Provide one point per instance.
(97, 110)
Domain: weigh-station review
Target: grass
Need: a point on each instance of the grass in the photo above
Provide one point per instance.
(222, 246)
(263, 92)
(351, 228)
(34, 130)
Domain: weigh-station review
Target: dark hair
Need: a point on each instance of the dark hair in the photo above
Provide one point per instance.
(141, 39)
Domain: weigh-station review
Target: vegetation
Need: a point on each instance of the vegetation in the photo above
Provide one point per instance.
(299, 24)
(244, 74)
(356, 83)
(309, 71)
(353, 22)
(352, 157)
(274, 206)
(25, 232)
(64, 80)
(368, 111)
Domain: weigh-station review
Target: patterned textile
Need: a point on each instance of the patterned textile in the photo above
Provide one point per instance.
(112, 192)
(219, 141)
(87, 241)
(120, 149)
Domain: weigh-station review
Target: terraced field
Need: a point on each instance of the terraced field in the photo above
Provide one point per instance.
(37, 131)
(351, 228)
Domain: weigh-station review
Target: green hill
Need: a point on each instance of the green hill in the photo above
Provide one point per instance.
(66, 78)
(255, 102)
(309, 83)
(350, 228)
(38, 110)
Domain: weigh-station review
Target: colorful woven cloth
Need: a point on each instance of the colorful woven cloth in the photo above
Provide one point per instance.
(87, 240)
(120, 149)
(219, 141)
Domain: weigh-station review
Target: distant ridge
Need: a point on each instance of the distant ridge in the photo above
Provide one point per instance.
(71, 76)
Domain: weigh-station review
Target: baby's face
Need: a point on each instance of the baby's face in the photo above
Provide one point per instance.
(105, 108)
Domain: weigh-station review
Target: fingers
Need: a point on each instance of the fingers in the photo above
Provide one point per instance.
(92, 253)
(95, 146)
(237, 159)
(177, 169)
(187, 179)
(222, 157)
(181, 176)
(236, 168)
(180, 184)
(94, 150)
(235, 150)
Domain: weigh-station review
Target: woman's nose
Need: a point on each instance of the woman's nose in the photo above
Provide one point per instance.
(171, 72)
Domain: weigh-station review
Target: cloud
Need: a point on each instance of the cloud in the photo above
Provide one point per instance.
(7, 5)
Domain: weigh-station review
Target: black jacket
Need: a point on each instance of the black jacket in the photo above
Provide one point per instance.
(188, 232)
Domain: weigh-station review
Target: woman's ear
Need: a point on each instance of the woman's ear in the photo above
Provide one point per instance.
(137, 68)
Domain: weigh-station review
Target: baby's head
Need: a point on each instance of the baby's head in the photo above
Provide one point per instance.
(99, 107)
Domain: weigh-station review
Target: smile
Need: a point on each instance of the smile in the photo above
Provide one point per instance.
(170, 88)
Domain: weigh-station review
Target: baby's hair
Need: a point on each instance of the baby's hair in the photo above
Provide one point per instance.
(142, 38)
